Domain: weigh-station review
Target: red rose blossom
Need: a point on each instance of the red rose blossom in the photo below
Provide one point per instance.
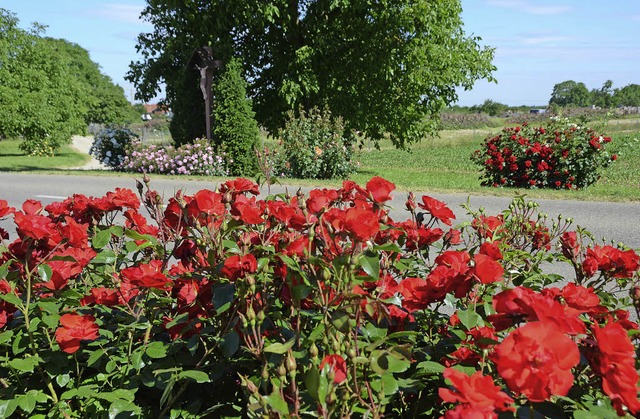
(75, 328)
(536, 360)
(477, 391)
(337, 365)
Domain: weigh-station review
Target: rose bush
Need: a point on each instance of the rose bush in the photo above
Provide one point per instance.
(221, 304)
(556, 155)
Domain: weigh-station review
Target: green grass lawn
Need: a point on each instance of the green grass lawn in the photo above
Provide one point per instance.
(12, 159)
(439, 164)
(443, 164)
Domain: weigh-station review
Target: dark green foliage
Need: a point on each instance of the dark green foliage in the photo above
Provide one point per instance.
(386, 68)
(188, 121)
(234, 128)
(315, 146)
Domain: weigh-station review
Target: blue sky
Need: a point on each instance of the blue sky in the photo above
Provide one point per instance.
(538, 42)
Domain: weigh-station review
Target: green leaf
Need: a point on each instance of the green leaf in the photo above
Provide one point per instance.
(6, 336)
(197, 376)
(7, 407)
(117, 231)
(25, 364)
(101, 239)
(4, 269)
(27, 402)
(371, 265)
(230, 343)
(118, 394)
(50, 307)
(63, 380)
(275, 401)
(312, 382)
(120, 406)
(156, 350)
(105, 257)
(431, 367)
(95, 356)
(231, 246)
(44, 272)
(279, 348)
(341, 320)
(469, 318)
(223, 296)
(11, 298)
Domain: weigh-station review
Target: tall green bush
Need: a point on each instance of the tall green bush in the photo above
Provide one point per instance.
(314, 146)
(234, 127)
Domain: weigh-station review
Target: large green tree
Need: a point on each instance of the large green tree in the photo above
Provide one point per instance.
(570, 93)
(384, 66)
(50, 89)
(629, 95)
(603, 97)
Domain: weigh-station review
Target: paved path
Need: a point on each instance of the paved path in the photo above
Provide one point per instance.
(615, 221)
(83, 145)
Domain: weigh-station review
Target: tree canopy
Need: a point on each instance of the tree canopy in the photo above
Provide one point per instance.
(570, 93)
(50, 89)
(384, 66)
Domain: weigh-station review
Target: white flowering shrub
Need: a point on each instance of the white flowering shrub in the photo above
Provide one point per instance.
(110, 144)
(197, 159)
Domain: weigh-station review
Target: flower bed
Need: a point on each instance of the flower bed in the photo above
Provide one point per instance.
(197, 159)
(222, 304)
(555, 155)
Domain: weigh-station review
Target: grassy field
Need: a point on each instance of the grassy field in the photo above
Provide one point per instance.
(443, 164)
(12, 159)
(440, 164)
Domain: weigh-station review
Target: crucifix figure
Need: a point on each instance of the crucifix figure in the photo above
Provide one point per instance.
(206, 65)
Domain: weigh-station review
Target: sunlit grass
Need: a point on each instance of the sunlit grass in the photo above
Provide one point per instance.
(12, 159)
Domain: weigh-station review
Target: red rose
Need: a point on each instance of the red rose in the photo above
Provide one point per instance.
(5, 209)
(75, 328)
(337, 365)
(147, 276)
(380, 189)
(536, 361)
(614, 360)
(247, 210)
(240, 185)
(486, 269)
(123, 197)
(237, 266)
(437, 209)
(476, 391)
(361, 223)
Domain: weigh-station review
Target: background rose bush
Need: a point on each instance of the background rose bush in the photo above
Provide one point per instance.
(223, 304)
(557, 154)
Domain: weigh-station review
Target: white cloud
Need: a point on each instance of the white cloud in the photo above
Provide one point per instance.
(529, 7)
(126, 13)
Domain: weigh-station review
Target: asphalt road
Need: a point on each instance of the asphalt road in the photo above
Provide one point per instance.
(619, 222)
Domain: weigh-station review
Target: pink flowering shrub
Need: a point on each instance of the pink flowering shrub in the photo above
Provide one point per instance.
(197, 159)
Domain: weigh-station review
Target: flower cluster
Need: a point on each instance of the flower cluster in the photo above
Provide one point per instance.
(222, 303)
(110, 144)
(198, 159)
(556, 155)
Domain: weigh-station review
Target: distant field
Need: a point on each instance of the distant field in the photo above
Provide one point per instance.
(439, 164)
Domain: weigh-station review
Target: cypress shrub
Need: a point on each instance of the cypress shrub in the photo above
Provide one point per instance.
(235, 130)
